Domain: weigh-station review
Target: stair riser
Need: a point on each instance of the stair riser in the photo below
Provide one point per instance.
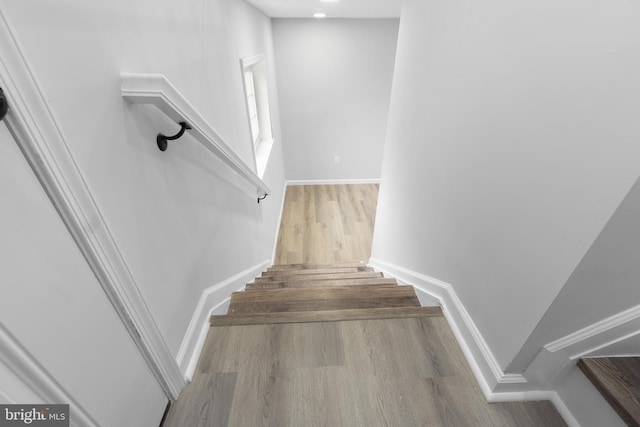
(320, 305)
(335, 276)
(314, 266)
(271, 273)
(297, 285)
(326, 316)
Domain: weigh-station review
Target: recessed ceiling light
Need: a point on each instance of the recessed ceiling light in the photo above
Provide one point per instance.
(320, 15)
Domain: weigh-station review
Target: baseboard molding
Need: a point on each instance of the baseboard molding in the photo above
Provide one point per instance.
(496, 385)
(277, 234)
(213, 300)
(333, 181)
(35, 379)
(563, 409)
(39, 134)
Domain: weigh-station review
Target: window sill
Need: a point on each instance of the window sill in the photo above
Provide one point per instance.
(263, 151)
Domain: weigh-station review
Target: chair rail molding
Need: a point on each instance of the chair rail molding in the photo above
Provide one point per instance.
(155, 89)
(41, 139)
(608, 328)
(557, 357)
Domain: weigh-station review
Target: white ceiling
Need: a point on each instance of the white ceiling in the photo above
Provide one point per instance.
(334, 9)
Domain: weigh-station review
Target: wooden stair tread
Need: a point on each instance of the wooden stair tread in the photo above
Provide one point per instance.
(321, 299)
(618, 380)
(380, 281)
(326, 276)
(320, 293)
(305, 266)
(325, 316)
(304, 272)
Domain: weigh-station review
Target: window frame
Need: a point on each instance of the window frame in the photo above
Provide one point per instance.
(262, 141)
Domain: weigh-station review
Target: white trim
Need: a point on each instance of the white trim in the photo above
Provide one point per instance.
(33, 124)
(275, 243)
(333, 181)
(598, 347)
(558, 357)
(603, 326)
(221, 308)
(155, 89)
(563, 409)
(211, 300)
(18, 360)
(477, 351)
(496, 385)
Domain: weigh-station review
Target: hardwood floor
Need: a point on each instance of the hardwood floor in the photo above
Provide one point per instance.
(304, 365)
(392, 372)
(325, 224)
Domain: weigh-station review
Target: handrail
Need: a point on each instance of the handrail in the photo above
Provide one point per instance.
(156, 90)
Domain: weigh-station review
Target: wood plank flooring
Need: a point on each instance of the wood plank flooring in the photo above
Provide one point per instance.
(326, 224)
(393, 372)
(286, 356)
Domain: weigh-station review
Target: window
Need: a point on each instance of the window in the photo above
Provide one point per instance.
(253, 108)
(259, 118)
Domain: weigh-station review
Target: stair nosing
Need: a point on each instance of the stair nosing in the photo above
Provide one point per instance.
(325, 316)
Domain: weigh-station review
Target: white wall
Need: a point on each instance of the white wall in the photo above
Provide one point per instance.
(53, 305)
(183, 220)
(512, 139)
(334, 77)
(604, 283)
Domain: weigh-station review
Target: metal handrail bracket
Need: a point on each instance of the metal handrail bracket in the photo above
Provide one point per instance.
(155, 89)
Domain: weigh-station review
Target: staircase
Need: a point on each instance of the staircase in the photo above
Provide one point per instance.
(618, 380)
(305, 345)
(301, 293)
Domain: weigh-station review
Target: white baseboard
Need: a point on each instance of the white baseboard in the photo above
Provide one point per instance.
(563, 409)
(214, 300)
(477, 351)
(496, 385)
(275, 242)
(333, 181)
(192, 361)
